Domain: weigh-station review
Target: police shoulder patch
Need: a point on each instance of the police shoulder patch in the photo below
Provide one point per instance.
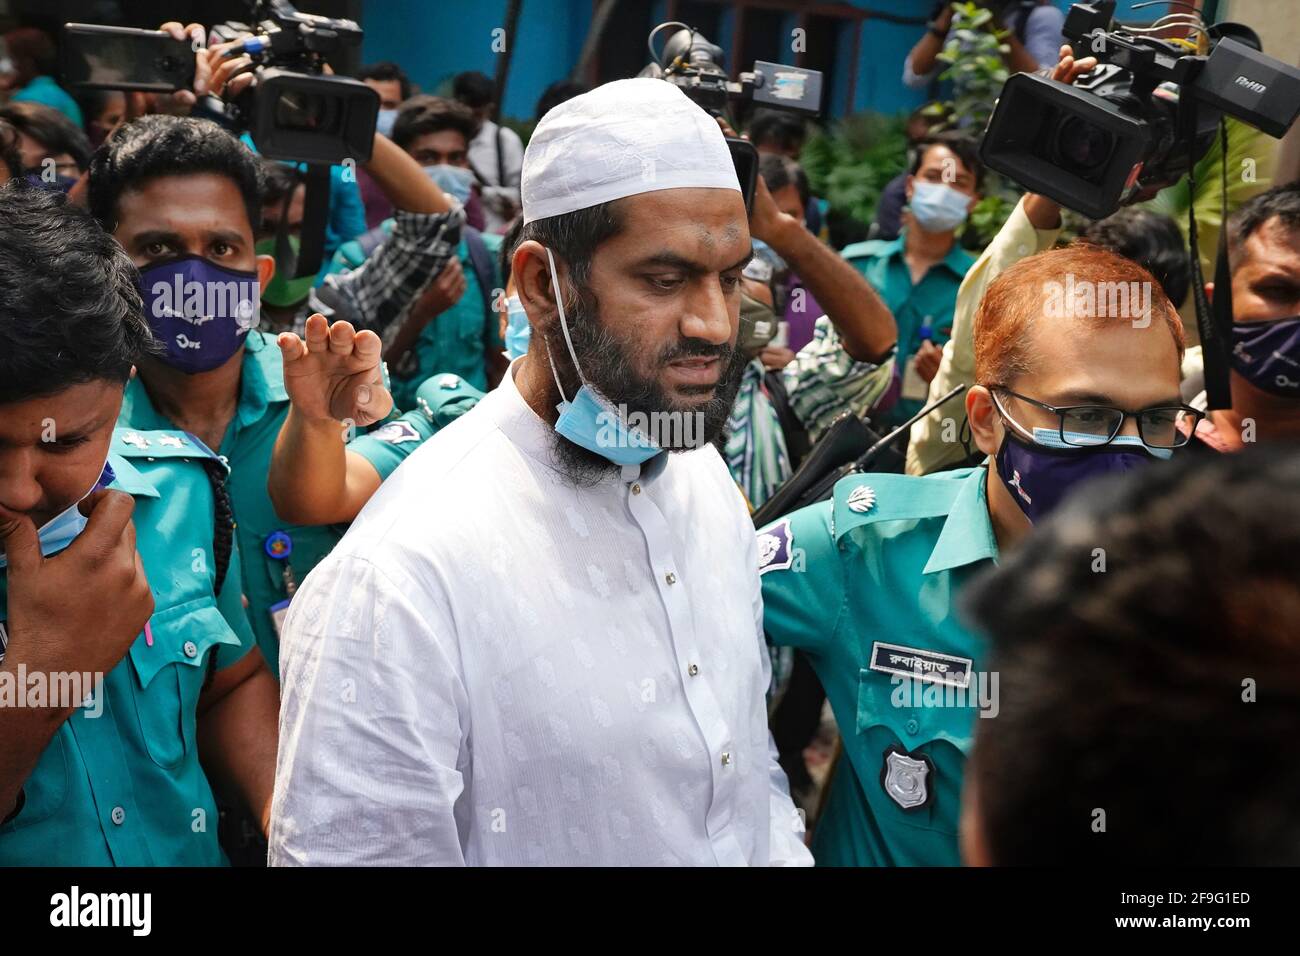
(396, 433)
(776, 547)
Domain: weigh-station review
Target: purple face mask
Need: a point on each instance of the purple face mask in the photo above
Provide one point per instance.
(1039, 477)
(200, 311)
(1267, 354)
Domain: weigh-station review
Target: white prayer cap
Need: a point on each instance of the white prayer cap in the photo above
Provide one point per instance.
(621, 139)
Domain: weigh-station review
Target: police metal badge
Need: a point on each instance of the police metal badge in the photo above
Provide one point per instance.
(775, 547)
(862, 499)
(906, 778)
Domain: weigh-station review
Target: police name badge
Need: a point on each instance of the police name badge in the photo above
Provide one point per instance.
(775, 547)
(396, 433)
(906, 778)
(921, 664)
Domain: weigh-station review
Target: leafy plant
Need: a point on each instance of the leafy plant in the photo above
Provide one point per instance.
(851, 163)
(974, 53)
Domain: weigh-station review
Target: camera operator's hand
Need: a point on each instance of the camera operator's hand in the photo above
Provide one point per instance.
(228, 76)
(1069, 69)
(59, 619)
(334, 375)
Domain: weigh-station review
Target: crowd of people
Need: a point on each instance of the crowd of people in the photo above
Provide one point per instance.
(1054, 623)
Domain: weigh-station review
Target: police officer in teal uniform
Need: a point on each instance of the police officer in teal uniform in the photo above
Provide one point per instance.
(869, 583)
(126, 653)
(317, 475)
(181, 196)
(864, 585)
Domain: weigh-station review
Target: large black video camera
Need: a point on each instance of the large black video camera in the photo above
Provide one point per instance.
(1138, 121)
(694, 64)
(294, 111)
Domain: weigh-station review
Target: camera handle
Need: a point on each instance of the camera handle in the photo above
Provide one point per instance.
(315, 217)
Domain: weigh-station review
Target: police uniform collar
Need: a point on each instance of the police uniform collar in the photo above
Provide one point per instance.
(126, 477)
(262, 379)
(967, 534)
(957, 496)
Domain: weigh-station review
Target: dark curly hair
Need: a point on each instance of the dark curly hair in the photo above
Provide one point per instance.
(1147, 641)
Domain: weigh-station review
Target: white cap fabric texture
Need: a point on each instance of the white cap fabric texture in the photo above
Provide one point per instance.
(621, 139)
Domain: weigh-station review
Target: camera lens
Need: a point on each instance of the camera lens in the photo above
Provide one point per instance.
(1081, 145)
(302, 111)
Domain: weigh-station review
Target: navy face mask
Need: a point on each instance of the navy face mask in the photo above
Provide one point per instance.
(200, 311)
(1040, 476)
(1267, 354)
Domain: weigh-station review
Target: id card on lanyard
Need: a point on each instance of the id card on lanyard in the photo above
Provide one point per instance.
(279, 546)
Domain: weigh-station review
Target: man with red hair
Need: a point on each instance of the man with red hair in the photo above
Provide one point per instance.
(1077, 356)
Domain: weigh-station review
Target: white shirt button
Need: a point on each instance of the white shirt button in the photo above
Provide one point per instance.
(191, 649)
(693, 669)
(670, 578)
(636, 489)
(118, 815)
(726, 758)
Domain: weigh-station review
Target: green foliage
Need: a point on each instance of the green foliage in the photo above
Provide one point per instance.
(974, 53)
(852, 162)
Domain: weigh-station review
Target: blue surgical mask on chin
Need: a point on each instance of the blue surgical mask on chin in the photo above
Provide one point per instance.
(518, 332)
(455, 181)
(938, 208)
(384, 122)
(590, 421)
(59, 532)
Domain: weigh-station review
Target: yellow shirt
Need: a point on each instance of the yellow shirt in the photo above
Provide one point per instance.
(935, 443)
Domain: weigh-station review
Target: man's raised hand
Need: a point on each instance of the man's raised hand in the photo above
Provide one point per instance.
(335, 373)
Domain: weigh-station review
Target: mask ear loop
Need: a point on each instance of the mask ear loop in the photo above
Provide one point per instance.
(564, 327)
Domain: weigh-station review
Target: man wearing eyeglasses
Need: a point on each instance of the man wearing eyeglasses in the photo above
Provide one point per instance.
(1075, 380)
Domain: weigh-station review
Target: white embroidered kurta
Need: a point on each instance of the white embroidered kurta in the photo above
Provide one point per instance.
(496, 667)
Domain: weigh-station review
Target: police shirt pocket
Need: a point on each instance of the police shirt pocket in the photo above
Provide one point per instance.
(169, 675)
(917, 711)
(923, 739)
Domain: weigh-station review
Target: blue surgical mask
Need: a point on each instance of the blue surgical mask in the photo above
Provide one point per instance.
(938, 208)
(453, 180)
(384, 122)
(59, 532)
(518, 331)
(590, 421)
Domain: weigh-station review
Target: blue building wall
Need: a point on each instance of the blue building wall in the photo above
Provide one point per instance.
(435, 39)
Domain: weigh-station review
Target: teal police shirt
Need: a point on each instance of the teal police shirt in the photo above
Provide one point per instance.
(865, 585)
(927, 304)
(439, 401)
(276, 556)
(458, 340)
(120, 782)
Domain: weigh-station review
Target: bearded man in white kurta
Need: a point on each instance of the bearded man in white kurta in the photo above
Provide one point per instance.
(541, 641)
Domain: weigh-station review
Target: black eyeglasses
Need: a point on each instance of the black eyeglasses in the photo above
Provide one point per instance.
(1162, 426)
